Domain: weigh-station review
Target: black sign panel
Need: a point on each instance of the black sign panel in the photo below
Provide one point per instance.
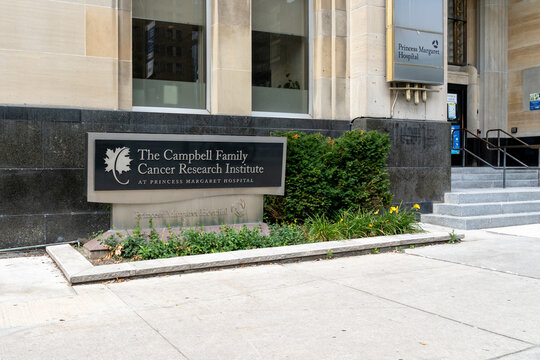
(151, 165)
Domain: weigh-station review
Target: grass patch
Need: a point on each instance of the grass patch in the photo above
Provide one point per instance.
(359, 224)
(345, 225)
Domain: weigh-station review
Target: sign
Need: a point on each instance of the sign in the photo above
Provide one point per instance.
(415, 41)
(452, 106)
(184, 180)
(452, 112)
(456, 139)
(191, 162)
(534, 101)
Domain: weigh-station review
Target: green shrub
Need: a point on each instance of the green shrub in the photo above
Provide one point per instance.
(325, 175)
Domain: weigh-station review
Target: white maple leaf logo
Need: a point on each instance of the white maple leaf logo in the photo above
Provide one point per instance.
(239, 208)
(118, 161)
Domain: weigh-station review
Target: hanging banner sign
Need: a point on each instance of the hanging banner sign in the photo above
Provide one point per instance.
(415, 41)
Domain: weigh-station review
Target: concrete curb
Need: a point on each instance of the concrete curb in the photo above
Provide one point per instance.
(79, 270)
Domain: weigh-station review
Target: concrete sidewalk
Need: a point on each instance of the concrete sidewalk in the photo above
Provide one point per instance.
(475, 300)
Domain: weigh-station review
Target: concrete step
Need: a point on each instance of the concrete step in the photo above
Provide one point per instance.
(482, 222)
(495, 176)
(481, 184)
(488, 170)
(491, 208)
(470, 196)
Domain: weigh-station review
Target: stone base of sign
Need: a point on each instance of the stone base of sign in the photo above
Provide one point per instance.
(214, 210)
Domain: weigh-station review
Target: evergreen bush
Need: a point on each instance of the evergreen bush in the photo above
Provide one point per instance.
(326, 175)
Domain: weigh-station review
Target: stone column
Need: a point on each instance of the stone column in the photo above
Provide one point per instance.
(125, 61)
(331, 97)
(472, 99)
(231, 57)
(370, 95)
(493, 64)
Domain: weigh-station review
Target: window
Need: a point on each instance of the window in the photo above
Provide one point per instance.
(169, 60)
(457, 32)
(280, 56)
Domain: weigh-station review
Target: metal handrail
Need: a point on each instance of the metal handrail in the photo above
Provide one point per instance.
(523, 143)
(492, 147)
(522, 146)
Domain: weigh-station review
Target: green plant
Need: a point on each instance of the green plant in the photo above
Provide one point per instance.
(287, 234)
(454, 238)
(345, 225)
(290, 84)
(325, 175)
(360, 223)
(95, 234)
(108, 210)
(375, 251)
(329, 254)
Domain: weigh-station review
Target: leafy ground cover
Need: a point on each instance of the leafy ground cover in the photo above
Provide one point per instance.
(139, 245)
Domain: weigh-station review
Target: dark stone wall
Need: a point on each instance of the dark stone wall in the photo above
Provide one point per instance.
(419, 159)
(43, 156)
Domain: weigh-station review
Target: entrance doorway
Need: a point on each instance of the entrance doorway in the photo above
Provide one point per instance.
(457, 116)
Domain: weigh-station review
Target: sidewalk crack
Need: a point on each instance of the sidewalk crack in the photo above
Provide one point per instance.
(474, 266)
(149, 325)
(432, 313)
(514, 353)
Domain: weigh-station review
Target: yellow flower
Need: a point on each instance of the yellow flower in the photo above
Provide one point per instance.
(295, 136)
(416, 206)
(393, 209)
(370, 225)
(377, 212)
(341, 220)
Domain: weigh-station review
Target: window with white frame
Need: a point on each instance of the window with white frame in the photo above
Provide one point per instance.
(169, 53)
(280, 47)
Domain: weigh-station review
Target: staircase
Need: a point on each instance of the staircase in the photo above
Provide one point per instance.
(486, 177)
(478, 201)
